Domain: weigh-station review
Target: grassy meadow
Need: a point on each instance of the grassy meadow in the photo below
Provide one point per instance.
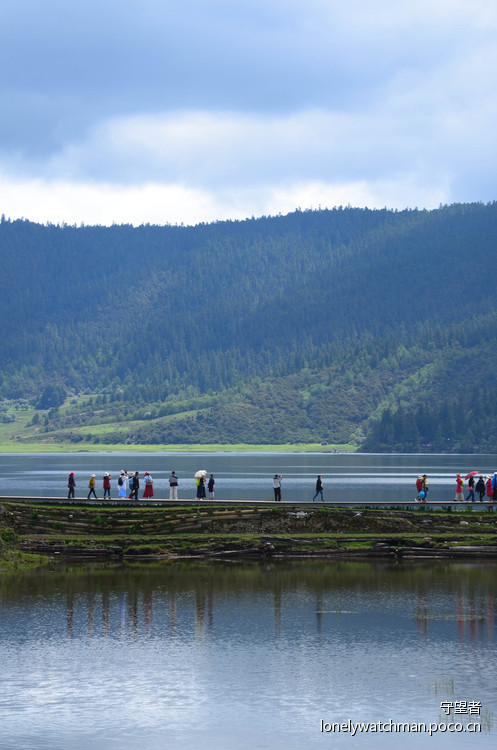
(22, 436)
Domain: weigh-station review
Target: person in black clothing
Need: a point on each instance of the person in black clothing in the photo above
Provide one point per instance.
(136, 487)
(71, 483)
(480, 488)
(210, 486)
(201, 488)
(319, 489)
(471, 488)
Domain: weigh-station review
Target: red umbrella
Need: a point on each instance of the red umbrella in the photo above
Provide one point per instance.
(471, 474)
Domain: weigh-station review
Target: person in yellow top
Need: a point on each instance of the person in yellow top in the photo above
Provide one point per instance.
(91, 485)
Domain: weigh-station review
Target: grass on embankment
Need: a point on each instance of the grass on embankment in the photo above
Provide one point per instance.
(11, 558)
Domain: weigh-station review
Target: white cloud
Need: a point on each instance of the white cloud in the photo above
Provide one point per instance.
(212, 109)
(72, 202)
(76, 202)
(219, 151)
(409, 130)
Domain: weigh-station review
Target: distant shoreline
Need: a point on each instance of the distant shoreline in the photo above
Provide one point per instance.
(176, 448)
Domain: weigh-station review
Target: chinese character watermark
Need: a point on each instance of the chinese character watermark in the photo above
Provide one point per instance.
(472, 708)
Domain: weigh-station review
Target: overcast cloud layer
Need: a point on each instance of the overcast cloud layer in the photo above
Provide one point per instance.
(194, 110)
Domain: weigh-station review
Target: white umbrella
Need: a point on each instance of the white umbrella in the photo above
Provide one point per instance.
(200, 473)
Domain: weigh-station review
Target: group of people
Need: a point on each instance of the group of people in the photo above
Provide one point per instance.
(485, 486)
(128, 485)
(201, 481)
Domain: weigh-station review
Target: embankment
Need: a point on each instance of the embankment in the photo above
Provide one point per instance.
(179, 531)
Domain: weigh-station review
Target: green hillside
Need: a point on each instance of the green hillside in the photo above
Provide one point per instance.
(376, 328)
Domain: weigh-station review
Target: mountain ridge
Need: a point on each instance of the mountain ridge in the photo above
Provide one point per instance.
(336, 325)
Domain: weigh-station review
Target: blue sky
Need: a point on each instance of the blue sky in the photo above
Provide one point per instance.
(170, 111)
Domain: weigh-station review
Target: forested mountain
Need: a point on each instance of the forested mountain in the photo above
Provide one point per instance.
(343, 325)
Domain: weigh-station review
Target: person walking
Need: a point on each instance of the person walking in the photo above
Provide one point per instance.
(136, 486)
(488, 486)
(91, 487)
(122, 483)
(210, 486)
(419, 486)
(277, 487)
(471, 488)
(424, 487)
(173, 486)
(319, 489)
(106, 483)
(494, 487)
(131, 483)
(480, 488)
(71, 483)
(149, 486)
(459, 493)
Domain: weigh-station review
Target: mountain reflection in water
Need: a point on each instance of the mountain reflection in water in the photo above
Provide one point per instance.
(241, 655)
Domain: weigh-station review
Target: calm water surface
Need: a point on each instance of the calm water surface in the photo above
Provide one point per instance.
(247, 475)
(244, 656)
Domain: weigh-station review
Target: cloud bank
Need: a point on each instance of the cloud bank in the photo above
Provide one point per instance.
(186, 112)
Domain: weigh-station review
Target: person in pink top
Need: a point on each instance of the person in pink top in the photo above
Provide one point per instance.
(459, 493)
(490, 491)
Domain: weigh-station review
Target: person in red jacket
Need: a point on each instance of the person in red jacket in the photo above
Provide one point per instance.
(494, 487)
(107, 478)
(489, 488)
(459, 493)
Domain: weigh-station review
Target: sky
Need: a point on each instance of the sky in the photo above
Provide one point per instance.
(188, 111)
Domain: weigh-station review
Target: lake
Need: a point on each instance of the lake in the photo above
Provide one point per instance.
(247, 476)
(265, 655)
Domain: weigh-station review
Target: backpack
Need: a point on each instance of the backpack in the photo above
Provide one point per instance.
(120, 481)
(419, 484)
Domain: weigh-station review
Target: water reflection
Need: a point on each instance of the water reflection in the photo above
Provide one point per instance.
(245, 655)
(473, 616)
(111, 599)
